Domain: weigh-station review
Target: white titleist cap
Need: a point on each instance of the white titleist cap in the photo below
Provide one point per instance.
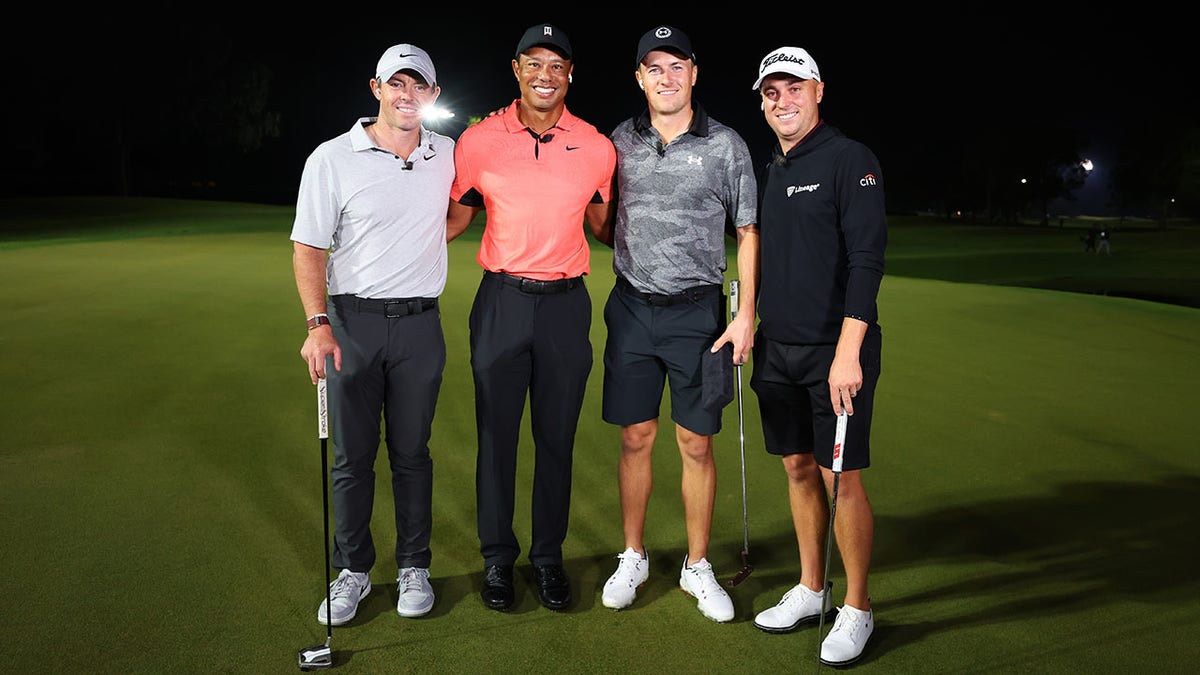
(790, 60)
(406, 57)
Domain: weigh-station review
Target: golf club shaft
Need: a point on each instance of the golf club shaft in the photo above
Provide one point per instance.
(839, 442)
(733, 311)
(323, 434)
(320, 657)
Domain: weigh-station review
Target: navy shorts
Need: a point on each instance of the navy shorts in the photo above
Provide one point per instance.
(792, 386)
(654, 340)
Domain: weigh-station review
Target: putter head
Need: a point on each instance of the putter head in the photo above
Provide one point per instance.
(317, 657)
(741, 575)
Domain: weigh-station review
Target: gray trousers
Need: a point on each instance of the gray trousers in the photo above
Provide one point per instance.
(392, 361)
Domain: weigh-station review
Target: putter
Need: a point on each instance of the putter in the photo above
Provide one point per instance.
(319, 657)
(839, 443)
(746, 567)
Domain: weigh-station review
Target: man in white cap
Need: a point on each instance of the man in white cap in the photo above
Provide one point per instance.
(681, 177)
(823, 228)
(370, 262)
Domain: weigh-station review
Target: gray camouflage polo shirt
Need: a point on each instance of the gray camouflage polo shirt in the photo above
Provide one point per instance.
(674, 202)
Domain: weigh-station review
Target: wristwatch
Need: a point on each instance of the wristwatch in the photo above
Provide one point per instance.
(317, 320)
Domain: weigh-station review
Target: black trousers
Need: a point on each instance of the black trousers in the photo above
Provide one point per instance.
(391, 366)
(536, 344)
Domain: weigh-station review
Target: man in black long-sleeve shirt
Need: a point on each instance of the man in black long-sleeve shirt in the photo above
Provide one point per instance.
(823, 229)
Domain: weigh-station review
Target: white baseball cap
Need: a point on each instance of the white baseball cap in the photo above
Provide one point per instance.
(790, 60)
(406, 57)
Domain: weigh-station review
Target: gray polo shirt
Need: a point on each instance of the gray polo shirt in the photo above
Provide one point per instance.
(674, 202)
(383, 219)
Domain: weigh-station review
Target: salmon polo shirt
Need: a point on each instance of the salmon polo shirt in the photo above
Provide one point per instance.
(535, 191)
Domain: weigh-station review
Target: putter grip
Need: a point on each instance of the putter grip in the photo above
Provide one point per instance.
(322, 410)
(733, 299)
(839, 442)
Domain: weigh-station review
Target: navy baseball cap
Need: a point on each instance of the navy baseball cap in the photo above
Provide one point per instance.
(667, 39)
(545, 35)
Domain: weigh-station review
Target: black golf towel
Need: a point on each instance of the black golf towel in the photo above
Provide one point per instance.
(717, 378)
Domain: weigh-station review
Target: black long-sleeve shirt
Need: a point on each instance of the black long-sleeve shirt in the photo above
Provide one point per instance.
(823, 231)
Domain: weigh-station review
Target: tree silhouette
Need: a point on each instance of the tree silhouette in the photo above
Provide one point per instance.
(1157, 170)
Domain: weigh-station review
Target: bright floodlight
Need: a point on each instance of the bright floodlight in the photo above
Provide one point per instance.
(1086, 164)
(435, 113)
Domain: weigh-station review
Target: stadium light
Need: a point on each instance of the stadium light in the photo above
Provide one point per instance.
(433, 112)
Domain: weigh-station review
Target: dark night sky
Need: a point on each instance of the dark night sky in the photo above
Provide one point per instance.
(903, 81)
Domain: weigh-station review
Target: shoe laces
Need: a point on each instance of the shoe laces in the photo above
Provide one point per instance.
(703, 573)
(553, 574)
(796, 596)
(411, 578)
(849, 623)
(630, 560)
(345, 586)
(792, 597)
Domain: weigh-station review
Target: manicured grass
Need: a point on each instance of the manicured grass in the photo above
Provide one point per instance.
(1148, 262)
(1033, 474)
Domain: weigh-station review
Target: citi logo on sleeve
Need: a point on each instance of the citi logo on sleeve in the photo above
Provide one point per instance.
(867, 180)
(794, 189)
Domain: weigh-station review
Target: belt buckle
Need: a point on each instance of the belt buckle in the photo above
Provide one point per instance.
(403, 308)
(655, 300)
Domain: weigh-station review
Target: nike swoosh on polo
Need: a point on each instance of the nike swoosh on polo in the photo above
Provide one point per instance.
(572, 147)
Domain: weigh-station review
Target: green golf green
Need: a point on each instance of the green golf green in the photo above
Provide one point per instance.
(1033, 479)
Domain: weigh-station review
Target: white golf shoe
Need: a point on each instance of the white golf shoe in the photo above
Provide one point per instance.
(850, 633)
(345, 592)
(799, 606)
(415, 595)
(699, 582)
(633, 569)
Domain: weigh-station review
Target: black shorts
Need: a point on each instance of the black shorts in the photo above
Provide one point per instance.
(657, 339)
(792, 386)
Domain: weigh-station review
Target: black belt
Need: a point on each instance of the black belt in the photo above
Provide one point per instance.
(693, 294)
(392, 308)
(537, 286)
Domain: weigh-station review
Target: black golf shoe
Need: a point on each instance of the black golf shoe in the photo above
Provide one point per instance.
(497, 592)
(554, 588)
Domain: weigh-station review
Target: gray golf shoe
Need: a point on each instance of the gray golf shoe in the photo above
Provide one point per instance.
(345, 592)
(415, 594)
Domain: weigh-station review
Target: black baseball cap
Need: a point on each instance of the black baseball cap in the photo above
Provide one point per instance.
(667, 39)
(545, 35)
